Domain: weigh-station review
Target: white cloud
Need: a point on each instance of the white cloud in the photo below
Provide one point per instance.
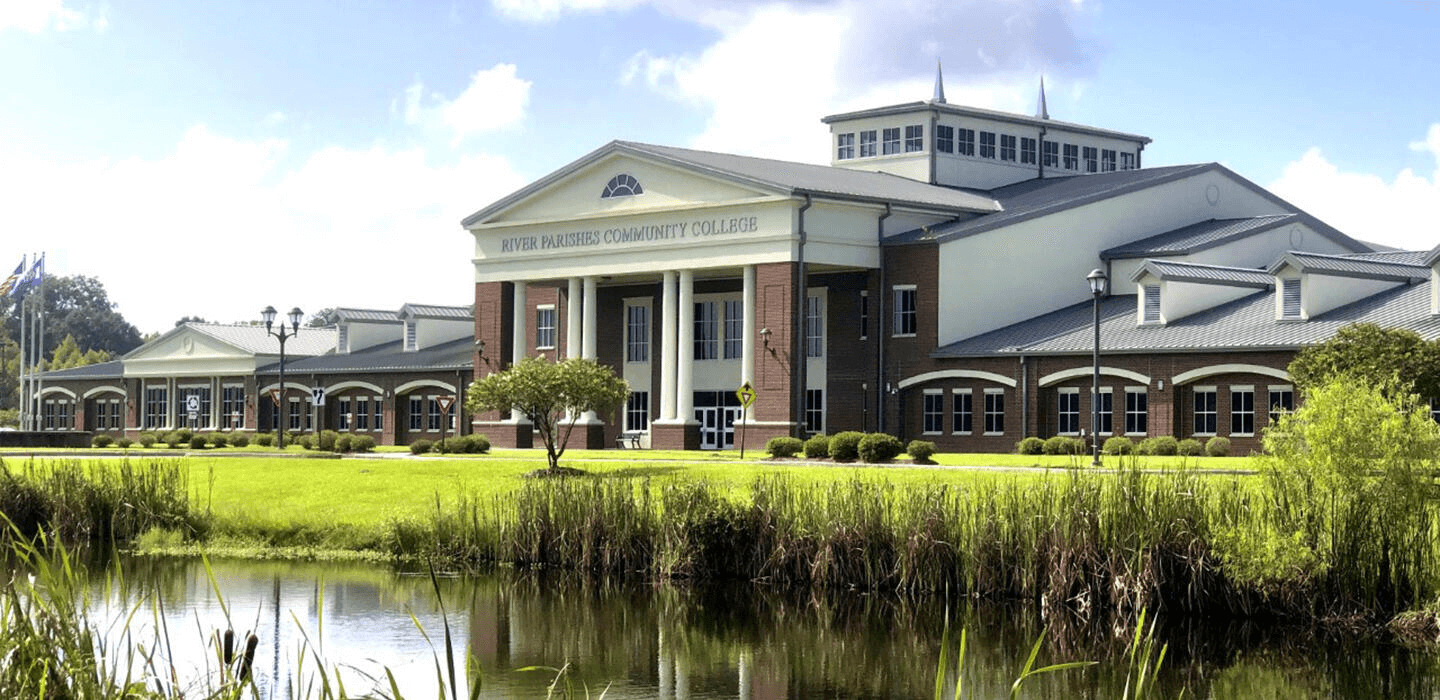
(220, 227)
(495, 99)
(1403, 212)
(550, 10)
(36, 16)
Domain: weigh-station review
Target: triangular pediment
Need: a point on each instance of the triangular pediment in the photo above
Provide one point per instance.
(186, 343)
(620, 180)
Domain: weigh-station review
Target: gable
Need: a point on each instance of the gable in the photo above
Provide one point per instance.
(187, 351)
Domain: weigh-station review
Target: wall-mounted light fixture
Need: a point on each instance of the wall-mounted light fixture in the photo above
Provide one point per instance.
(765, 339)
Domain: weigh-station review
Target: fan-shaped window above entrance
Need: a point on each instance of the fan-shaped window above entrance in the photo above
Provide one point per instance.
(622, 185)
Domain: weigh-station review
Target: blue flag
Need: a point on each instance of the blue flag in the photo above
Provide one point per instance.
(32, 278)
(13, 280)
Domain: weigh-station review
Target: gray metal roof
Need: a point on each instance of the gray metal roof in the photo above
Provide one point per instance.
(367, 315)
(1245, 324)
(1430, 257)
(432, 311)
(1206, 274)
(1351, 266)
(388, 357)
(784, 177)
(114, 369)
(256, 341)
(1196, 237)
(961, 110)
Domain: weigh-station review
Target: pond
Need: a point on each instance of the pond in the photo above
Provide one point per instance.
(668, 641)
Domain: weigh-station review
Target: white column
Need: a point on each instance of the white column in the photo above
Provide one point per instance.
(747, 345)
(572, 319)
(667, 347)
(684, 382)
(519, 335)
(587, 342)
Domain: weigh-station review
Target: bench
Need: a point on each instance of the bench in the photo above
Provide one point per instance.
(630, 439)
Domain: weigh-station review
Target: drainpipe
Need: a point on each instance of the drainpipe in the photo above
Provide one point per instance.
(800, 359)
(880, 386)
(1024, 397)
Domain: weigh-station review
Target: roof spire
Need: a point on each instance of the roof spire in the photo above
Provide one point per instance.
(939, 97)
(1041, 111)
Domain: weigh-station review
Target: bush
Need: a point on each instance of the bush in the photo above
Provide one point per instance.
(146, 439)
(101, 441)
(1217, 447)
(362, 443)
(240, 440)
(817, 447)
(845, 447)
(326, 440)
(124, 443)
(1030, 446)
(421, 446)
(172, 439)
(1119, 445)
(1159, 446)
(305, 441)
(184, 435)
(344, 443)
(921, 450)
(880, 447)
(198, 442)
(218, 439)
(784, 446)
(265, 439)
(1064, 445)
(1189, 447)
(478, 442)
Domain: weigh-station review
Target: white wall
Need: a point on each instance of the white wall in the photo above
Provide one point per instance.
(367, 334)
(1181, 299)
(1321, 293)
(1255, 251)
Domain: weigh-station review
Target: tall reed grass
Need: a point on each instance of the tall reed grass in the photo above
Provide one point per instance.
(100, 503)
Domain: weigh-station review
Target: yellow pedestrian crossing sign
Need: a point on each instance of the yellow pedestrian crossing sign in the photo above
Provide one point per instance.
(746, 394)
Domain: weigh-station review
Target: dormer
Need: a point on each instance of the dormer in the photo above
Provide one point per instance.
(1169, 291)
(427, 326)
(1309, 284)
(358, 329)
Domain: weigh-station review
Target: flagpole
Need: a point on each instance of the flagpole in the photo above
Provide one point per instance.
(40, 341)
(24, 394)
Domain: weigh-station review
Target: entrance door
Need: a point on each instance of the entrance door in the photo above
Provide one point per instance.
(732, 414)
(717, 411)
(709, 418)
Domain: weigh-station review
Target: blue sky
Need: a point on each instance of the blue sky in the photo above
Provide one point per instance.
(212, 158)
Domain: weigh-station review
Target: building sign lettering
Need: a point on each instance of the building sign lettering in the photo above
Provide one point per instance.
(623, 236)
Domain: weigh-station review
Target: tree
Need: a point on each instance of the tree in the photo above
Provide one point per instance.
(190, 319)
(68, 354)
(1397, 361)
(547, 393)
(327, 316)
(80, 307)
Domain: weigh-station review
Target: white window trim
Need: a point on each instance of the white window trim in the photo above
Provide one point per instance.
(1111, 391)
(901, 288)
(1250, 388)
(971, 394)
(1200, 390)
(1063, 391)
(554, 327)
(1137, 390)
(865, 317)
(924, 413)
(985, 411)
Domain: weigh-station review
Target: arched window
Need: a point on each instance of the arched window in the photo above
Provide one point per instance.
(622, 185)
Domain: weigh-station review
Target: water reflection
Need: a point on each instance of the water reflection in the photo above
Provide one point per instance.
(689, 643)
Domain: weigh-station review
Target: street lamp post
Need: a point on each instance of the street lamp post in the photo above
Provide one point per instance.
(1097, 280)
(269, 316)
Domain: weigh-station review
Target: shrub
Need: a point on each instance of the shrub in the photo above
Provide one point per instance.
(480, 443)
(240, 440)
(101, 441)
(1217, 447)
(265, 439)
(218, 439)
(326, 440)
(1189, 447)
(184, 435)
(921, 450)
(817, 447)
(1159, 446)
(880, 447)
(845, 447)
(784, 446)
(198, 442)
(1030, 446)
(304, 441)
(1064, 445)
(173, 440)
(421, 446)
(124, 443)
(1119, 445)
(344, 443)
(362, 443)
(146, 439)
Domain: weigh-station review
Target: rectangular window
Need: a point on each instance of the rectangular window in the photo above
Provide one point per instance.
(814, 327)
(362, 413)
(433, 417)
(1107, 411)
(844, 146)
(864, 315)
(904, 321)
(1152, 303)
(202, 404)
(707, 331)
(994, 411)
(1242, 410)
(1135, 411)
(814, 410)
(1052, 154)
(1027, 150)
(1107, 160)
(345, 413)
(1007, 147)
(987, 144)
(963, 413)
(1072, 157)
(417, 412)
(890, 143)
(232, 405)
(379, 422)
(637, 411)
(156, 407)
(914, 138)
(1205, 411)
(867, 144)
(934, 412)
(296, 415)
(1290, 298)
(545, 328)
(734, 329)
(1282, 401)
(944, 138)
(637, 334)
(1092, 159)
(1069, 412)
(965, 142)
(1127, 161)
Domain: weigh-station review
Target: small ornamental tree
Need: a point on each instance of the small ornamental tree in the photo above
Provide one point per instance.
(552, 395)
(1397, 361)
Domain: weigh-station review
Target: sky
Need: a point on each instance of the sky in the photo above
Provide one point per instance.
(212, 158)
